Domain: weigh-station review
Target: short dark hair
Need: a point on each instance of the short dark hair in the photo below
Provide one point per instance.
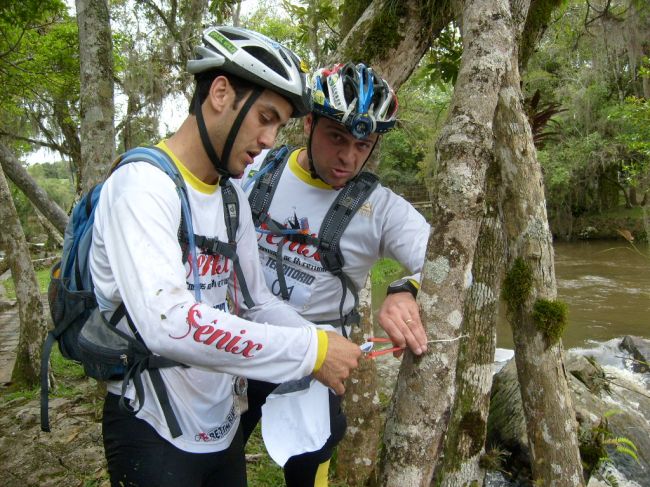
(204, 81)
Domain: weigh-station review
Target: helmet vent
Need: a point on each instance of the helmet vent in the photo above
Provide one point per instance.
(266, 58)
(284, 56)
(232, 36)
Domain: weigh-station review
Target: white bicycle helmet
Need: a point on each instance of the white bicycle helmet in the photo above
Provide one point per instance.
(356, 97)
(256, 58)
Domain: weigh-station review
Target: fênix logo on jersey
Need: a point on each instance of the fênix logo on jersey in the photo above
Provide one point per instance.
(208, 265)
(209, 334)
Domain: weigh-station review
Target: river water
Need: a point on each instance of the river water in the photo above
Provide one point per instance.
(607, 288)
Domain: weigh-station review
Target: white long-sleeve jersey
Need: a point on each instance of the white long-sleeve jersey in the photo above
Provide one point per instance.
(386, 225)
(136, 258)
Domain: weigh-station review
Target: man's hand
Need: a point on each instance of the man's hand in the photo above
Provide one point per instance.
(399, 316)
(342, 356)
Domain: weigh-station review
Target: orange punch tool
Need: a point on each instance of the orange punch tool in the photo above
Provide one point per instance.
(368, 347)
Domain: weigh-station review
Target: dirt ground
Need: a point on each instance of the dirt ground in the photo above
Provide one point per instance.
(70, 455)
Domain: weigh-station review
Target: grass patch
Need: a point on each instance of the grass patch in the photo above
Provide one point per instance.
(384, 272)
(618, 213)
(262, 471)
(42, 276)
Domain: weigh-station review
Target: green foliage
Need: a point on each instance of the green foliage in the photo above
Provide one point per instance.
(596, 443)
(314, 23)
(56, 181)
(39, 66)
(550, 318)
(442, 61)
(494, 459)
(42, 276)
(517, 285)
(407, 154)
(586, 64)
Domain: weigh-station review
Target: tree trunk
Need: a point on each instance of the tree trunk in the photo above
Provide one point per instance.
(39, 198)
(54, 238)
(357, 453)
(70, 131)
(465, 439)
(406, 28)
(33, 326)
(425, 390)
(550, 418)
(96, 94)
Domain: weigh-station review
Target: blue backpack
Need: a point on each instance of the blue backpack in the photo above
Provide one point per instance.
(85, 334)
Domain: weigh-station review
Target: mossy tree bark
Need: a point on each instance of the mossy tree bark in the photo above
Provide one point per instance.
(33, 326)
(393, 36)
(357, 453)
(465, 438)
(410, 33)
(425, 390)
(96, 94)
(550, 418)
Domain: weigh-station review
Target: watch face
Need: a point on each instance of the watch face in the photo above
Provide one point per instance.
(398, 283)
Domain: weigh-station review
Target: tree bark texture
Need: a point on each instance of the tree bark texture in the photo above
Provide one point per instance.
(39, 198)
(393, 36)
(465, 438)
(550, 418)
(425, 390)
(96, 94)
(33, 326)
(357, 453)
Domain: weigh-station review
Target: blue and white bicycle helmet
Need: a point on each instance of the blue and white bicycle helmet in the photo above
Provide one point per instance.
(356, 97)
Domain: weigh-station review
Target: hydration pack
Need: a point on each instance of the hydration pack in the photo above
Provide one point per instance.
(87, 335)
(348, 201)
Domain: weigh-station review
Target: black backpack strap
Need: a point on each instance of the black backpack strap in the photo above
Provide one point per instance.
(213, 246)
(145, 361)
(262, 193)
(337, 219)
(260, 199)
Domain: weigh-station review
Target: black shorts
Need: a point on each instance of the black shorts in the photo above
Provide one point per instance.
(138, 456)
(300, 470)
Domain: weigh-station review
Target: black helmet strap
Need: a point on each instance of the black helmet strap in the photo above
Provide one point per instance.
(221, 164)
(312, 168)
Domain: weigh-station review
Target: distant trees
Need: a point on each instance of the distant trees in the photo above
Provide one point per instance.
(594, 63)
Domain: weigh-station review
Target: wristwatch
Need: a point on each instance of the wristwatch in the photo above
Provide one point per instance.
(403, 285)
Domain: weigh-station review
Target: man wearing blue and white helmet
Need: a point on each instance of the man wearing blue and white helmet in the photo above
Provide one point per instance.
(322, 223)
(179, 425)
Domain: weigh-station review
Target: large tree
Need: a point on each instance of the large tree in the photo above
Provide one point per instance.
(536, 318)
(97, 105)
(33, 326)
(425, 391)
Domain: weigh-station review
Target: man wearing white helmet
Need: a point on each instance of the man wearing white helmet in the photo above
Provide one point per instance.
(322, 223)
(186, 432)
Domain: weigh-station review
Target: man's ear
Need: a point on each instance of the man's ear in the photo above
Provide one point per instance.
(218, 96)
(306, 123)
